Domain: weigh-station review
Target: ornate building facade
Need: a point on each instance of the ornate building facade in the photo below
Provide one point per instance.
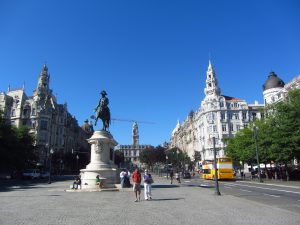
(219, 116)
(275, 90)
(51, 124)
(132, 152)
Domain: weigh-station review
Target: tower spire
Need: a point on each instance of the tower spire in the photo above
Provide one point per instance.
(43, 82)
(135, 134)
(212, 87)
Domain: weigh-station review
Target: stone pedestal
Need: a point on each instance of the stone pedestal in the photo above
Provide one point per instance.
(101, 144)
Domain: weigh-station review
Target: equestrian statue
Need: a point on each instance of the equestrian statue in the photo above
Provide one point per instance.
(102, 111)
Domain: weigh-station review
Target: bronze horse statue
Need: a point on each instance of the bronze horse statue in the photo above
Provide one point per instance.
(102, 111)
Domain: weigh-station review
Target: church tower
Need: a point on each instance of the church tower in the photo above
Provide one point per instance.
(212, 89)
(135, 134)
(42, 89)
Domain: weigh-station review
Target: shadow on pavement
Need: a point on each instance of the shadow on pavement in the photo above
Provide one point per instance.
(164, 186)
(19, 184)
(167, 199)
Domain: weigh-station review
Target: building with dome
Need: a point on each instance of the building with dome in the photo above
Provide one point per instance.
(50, 122)
(219, 116)
(275, 90)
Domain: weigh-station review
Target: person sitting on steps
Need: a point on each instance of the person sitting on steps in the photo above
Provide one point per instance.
(99, 182)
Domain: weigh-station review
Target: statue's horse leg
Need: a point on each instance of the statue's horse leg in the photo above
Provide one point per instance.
(96, 121)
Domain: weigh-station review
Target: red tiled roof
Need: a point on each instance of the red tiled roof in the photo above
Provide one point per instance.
(232, 99)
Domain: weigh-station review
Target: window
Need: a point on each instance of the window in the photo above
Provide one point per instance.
(210, 116)
(238, 127)
(254, 116)
(224, 127)
(235, 105)
(33, 112)
(231, 127)
(230, 116)
(25, 112)
(244, 115)
(223, 116)
(44, 125)
(209, 129)
(236, 116)
(215, 128)
(221, 104)
(13, 112)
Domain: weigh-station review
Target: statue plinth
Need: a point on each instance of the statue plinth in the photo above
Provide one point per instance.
(101, 144)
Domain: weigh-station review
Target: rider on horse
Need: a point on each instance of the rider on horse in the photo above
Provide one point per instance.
(102, 111)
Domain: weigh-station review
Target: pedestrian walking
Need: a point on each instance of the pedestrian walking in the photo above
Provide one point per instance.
(136, 179)
(148, 180)
(171, 176)
(177, 177)
(122, 177)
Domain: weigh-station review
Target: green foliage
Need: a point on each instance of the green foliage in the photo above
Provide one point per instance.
(152, 155)
(16, 147)
(119, 157)
(278, 136)
(177, 157)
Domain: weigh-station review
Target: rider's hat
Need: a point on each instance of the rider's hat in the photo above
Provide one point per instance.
(103, 93)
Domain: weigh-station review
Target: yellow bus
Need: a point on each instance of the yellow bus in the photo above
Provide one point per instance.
(225, 169)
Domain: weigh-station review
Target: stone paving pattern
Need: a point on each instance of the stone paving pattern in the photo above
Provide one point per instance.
(49, 204)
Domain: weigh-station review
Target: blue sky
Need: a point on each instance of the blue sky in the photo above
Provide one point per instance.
(150, 56)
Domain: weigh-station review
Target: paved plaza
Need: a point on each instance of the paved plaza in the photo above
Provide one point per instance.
(42, 203)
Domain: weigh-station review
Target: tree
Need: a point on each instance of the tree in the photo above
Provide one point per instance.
(119, 157)
(150, 156)
(147, 156)
(278, 136)
(241, 147)
(16, 147)
(284, 124)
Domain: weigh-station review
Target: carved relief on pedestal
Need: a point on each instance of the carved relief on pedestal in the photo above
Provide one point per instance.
(98, 147)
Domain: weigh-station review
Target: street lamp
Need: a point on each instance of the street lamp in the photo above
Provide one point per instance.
(61, 166)
(217, 191)
(50, 157)
(77, 157)
(177, 151)
(167, 167)
(257, 154)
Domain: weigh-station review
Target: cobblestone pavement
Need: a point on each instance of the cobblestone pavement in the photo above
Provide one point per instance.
(42, 204)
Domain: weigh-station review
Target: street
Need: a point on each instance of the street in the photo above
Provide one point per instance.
(187, 203)
(280, 194)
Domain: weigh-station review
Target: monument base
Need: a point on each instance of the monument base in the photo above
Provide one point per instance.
(101, 144)
(88, 178)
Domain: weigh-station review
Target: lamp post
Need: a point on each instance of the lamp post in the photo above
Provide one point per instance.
(257, 154)
(46, 149)
(61, 166)
(177, 151)
(77, 157)
(50, 165)
(217, 191)
(167, 167)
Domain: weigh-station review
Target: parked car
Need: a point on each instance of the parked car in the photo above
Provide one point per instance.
(44, 174)
(186, 175)
(31, 174)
